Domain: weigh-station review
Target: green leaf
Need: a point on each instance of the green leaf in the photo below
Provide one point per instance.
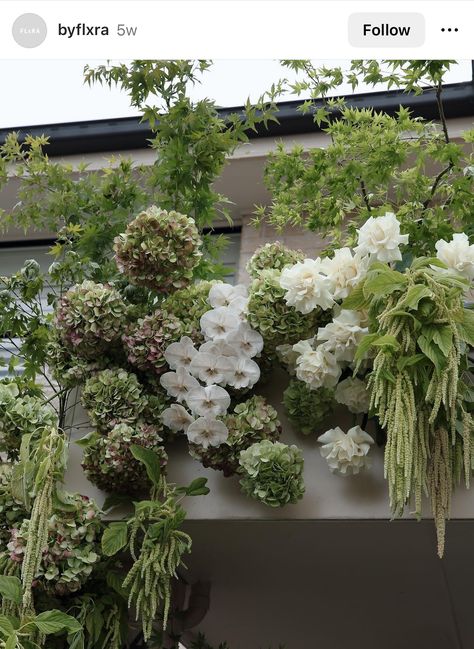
(6, 626)
(197, 488)
(432, 351)
(114, 538)
(386, 341)
(356, 301)
(383, 283)
(54, 621)
(365, 345)
(115, 581)
(466, 327)
(11, 642)
(409, 361)
(443, 337)
(10, 589)
(415, 294)
(151, 461)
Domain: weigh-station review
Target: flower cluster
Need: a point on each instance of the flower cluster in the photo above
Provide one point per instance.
(353, 393)
(21, 415)
(315, 283)
(159, 250)
(12, 510)
(72, 550)
(199, 375)
(457, 254)
(89, 318)
(270, 315)
(108, 461)
(272, 473)
(307, 408)
(346, 453)
(250, 422)
(188, 305)
(146, 341)
(68, 369)
(113, 396)
(272, 255)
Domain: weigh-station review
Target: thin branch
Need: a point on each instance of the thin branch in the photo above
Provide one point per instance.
(365, 196)
(442, 115)
(436, 183)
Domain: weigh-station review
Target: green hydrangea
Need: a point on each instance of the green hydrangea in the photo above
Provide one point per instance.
(272, 255)
(272, 473)
(113, 396)
(159, 250)
(68, 369)
(146, 341)
(109, 464)
(307, 408)
(188, 305)
(21, 415)
(90, 317)
(250, 422)
(73, 546)
(12, 511)
(269, 314)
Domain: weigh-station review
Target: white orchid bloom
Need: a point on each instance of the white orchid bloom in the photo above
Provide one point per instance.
(207, 431)
(210, 401)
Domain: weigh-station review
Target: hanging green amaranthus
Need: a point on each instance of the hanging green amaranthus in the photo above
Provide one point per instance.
(420, 333)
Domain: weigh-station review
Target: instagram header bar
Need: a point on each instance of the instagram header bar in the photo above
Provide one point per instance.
(236, 28)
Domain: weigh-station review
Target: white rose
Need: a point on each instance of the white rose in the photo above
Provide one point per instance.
(346, 453)
(306, 286)
(353, 393)
(381, 238)
(345, 271)
(343, 335)
(458, 255)
(318, 368)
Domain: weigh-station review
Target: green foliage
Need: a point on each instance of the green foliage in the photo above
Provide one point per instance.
(419, 383)
(374, 161)
(272, 473)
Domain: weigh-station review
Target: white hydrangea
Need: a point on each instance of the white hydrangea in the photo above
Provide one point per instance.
(353, 393)
(346, 453)
(345, 271)
(318, 368)
(457, 254)
(380, 237)
(343, 335)
(307, 287)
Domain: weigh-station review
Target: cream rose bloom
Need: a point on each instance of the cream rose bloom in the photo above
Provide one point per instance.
(345, 271)
(306, 286)
(380, 237)
(318, 368)
(343, 335)
(346, 453)
(457, 254)
(353, 393)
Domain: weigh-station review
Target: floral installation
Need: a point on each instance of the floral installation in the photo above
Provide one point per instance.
(346, 453)
(159, 250)
(272, 473)
(188, 305)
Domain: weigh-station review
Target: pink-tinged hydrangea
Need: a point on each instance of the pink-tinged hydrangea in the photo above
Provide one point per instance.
(90, 318)
(108, 461)
(72, 550)
(147, 340)
(159, 250)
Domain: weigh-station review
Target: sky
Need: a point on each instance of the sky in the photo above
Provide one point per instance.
(48, 92)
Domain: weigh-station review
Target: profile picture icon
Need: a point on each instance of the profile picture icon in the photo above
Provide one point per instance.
(29, 30)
